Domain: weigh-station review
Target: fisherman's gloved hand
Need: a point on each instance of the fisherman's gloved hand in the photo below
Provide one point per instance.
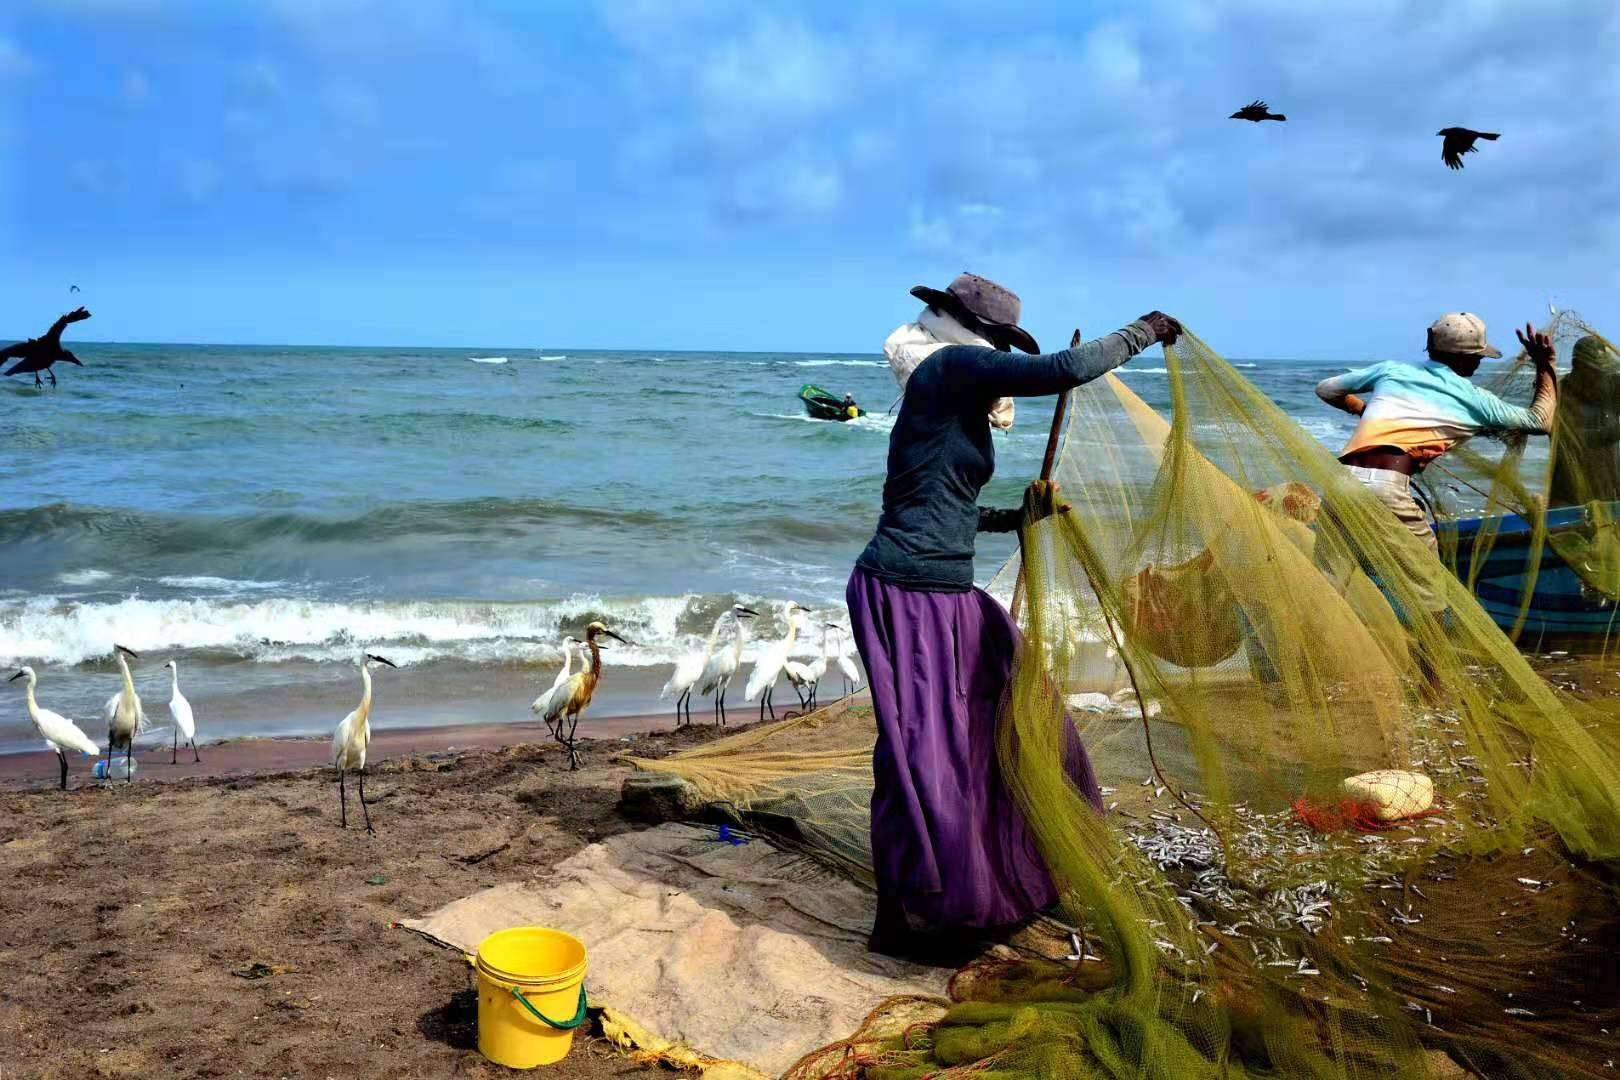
(1041, 501)
(995, 520)
(1165, 329)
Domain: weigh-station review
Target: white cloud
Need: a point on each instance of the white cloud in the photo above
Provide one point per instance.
(1110, 55)
(792, 185)
(775, 70)
(929, 233)
(966, 228)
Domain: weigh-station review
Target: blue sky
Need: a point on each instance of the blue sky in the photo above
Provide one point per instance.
(776, 175)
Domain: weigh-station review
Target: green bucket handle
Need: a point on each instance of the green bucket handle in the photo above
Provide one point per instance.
(560, 1025)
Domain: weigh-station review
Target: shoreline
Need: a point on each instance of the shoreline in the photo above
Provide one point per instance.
(270, 754)
(235, 701)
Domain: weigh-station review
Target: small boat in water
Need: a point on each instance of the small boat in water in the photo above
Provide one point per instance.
(1563, 607)
(820, 404)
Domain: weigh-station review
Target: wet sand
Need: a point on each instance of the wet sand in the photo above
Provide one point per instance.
(153, 749)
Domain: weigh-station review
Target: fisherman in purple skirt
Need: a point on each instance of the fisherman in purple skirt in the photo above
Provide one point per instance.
(953, 855)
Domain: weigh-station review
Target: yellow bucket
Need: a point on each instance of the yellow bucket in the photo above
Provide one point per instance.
(531, 995)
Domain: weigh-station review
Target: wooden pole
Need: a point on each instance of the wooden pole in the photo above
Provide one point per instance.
(1055, 436)
(1048, 463)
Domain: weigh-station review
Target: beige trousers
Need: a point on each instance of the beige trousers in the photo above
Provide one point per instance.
(1394, 490)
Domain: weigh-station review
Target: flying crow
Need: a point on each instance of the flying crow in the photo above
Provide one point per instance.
(1256, 111)
(1460, 141)
(38, 354)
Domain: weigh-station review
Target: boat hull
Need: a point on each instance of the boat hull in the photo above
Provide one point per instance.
(821, 405)
(1563, 609)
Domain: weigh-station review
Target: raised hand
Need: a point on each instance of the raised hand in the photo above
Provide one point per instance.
(1538, 345)
(1165, 329)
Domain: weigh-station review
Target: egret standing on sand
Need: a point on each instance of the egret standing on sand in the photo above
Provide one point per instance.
(806, 677)
(694, 666)
(124, 714)
(38, 354)
(550, 702)
(852, 674)
(180, 712)
(722, 665)
(60, 733)
(582, 688)
(768, 665)
(349, 743)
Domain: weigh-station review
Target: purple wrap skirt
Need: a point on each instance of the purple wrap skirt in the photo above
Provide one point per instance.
(949, 844)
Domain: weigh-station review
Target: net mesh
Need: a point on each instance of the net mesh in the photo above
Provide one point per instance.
(1237, 628)
(1532, 524)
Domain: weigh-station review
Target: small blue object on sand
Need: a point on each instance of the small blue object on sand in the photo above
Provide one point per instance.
(724, 835)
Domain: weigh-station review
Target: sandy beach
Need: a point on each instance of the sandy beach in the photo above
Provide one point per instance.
(248, 756)
(1103, 566)
(213, 920)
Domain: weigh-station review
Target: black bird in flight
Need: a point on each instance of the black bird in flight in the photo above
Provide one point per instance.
(1460, 141)
(38, 354)
(73, 288)
(1256, 111)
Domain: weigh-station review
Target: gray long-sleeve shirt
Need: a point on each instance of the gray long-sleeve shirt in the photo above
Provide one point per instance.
(941, 456)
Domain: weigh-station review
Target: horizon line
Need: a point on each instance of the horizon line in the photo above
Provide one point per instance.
(561, 349)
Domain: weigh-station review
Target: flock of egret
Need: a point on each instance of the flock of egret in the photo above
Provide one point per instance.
(708, 671)
(123, 713)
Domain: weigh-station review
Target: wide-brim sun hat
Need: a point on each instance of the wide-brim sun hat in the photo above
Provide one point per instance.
(981, 304)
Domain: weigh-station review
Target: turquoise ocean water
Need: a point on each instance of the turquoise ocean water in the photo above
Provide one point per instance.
(263, 513)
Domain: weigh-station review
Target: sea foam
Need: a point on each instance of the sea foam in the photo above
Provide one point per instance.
(45, 631)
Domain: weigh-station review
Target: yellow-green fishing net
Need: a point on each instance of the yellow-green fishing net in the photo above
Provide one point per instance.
(1235, 626)
(1544, 556)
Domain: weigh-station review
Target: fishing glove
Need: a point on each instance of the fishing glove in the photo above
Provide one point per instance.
(995, 520)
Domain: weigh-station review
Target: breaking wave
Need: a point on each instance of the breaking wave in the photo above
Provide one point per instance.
(47, 631)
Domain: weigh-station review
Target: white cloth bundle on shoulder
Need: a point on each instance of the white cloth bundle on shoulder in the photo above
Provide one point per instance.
(915, 342)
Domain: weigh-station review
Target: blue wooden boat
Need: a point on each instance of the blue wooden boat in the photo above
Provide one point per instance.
(1563, 609)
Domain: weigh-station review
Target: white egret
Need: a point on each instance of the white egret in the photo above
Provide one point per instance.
(694, 666)
(582, 688)
(350, 740)
(59, 733)
(806, 677)
(551, 700)
(180, 712)
(770, 661)
(852, 673)
(123, 714)
(718, 672)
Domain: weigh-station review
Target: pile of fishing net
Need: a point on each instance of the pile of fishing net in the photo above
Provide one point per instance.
(1349, 831)
(1534, 523)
